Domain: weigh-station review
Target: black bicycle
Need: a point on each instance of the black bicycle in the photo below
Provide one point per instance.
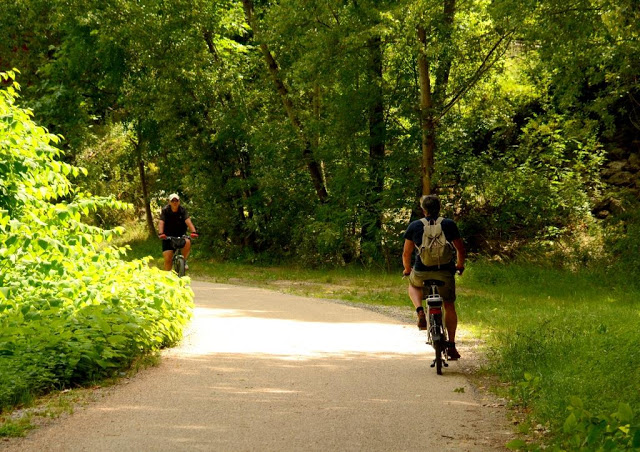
(178, 264)
(436, 332)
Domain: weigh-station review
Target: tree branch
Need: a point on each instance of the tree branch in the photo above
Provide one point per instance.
(444, 68)
(208, 38)
(315, 170)
(480, 71)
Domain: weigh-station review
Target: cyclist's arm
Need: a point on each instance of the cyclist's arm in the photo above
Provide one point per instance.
(406, 255)
(461, 253)
(190, 225)
(160, 227)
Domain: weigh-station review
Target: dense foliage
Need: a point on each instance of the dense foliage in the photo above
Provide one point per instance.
(71, 309)
(300, 128)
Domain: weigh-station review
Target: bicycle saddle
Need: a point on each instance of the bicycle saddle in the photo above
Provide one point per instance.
(433, 282)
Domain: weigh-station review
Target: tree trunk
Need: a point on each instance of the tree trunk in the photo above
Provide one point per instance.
(435, 104)
(314, 168)
(248, 190)
(427, 123)
(377, 126)
(444, 68)
(145, 191)
(377, 137)
(316, 136)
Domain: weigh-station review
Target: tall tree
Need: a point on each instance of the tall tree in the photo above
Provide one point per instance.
(313, 165)
(473, 49)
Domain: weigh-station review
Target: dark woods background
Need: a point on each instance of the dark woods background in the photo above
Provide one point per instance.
(307, 130)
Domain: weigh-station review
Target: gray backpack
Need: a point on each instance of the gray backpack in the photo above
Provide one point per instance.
(434, 250)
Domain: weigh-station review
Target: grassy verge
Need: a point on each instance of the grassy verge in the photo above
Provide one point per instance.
(565, 344)
(568, 345)
(35, 412)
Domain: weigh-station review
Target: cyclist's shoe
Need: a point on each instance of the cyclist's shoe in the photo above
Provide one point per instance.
(422, 320)
(452, 353)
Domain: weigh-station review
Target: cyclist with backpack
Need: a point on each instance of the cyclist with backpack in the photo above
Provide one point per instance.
(440, 254)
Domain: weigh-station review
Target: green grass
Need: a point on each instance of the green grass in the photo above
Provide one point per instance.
(15, 428)
(576, 334)
(137, 237)
(350, 283)
(549, 334)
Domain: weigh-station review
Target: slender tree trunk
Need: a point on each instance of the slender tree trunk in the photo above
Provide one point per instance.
(314, 168)
(444, 68)
(427, 122)
(377, 137)
(434, 104)
(145, 190)
(377, 125)
(248, 191)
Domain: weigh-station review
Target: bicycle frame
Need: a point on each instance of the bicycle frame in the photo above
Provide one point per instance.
(436, 332)
(178, 262)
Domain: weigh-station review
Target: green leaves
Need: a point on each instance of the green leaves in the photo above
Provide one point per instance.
(70, 308)
(618, 431)
(516, 444)
(624, 414)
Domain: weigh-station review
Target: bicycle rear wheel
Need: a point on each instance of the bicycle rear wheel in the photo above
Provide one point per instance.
(178, 266)
(437, 346)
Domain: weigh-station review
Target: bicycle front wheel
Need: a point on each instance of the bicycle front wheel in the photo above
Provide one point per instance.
(178, 266)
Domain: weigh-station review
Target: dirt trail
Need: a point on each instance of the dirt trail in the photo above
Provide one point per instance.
(260, 370)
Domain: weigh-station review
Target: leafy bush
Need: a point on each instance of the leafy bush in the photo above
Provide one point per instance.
(70, 308)
(622, 240)
(584, 431)
(539, 190)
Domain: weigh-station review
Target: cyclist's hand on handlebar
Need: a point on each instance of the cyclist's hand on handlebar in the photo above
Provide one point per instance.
(194, 235)
(459, 270)
(162, 236)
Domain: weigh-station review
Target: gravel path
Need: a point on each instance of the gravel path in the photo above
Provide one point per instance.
(260, 370)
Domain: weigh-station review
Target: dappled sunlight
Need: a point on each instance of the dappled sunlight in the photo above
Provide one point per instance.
(264, 332)
(462, 402)
(260, 390)
(128, 408)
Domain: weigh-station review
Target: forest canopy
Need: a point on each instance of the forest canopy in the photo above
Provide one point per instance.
(309, 129)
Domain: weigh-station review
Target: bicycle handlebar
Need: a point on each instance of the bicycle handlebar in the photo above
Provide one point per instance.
(185, 236)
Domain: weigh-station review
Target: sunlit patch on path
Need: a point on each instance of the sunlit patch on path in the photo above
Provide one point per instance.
(262, 332)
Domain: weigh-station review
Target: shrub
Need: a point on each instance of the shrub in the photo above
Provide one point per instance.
(70, 308)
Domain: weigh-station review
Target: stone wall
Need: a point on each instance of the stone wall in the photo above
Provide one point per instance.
(622, 175)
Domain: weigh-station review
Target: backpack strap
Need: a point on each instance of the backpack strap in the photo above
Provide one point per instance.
(425, 223)
(439, 220)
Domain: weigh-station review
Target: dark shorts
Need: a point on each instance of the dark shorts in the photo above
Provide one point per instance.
(167, 245)
(447, 292)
